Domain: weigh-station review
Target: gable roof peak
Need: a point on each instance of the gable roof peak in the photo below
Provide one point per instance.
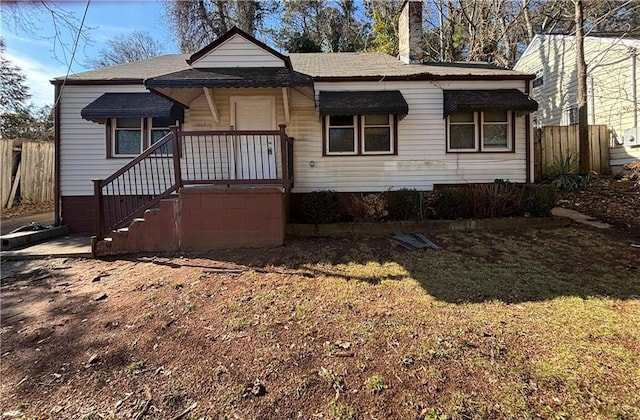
(235, 31)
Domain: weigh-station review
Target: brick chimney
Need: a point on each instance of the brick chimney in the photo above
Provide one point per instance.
(410, 32)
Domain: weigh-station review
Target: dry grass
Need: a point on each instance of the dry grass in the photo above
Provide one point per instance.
(537, 324)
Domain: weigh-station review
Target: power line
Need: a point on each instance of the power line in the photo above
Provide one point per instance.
(73, 53)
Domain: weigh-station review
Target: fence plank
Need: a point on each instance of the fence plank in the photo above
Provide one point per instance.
(36, 185)
(573, 146)
(559, 142)
(556, 153)
(605, 167)
(6, 167)
(594, 150)
(537, 154)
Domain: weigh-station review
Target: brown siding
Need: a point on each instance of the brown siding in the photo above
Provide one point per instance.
(78, 213)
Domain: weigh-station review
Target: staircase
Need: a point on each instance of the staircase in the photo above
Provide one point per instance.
(153, 232)
(190, 191)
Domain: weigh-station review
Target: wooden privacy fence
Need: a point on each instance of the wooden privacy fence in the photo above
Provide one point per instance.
(27, 172)
(556, 143)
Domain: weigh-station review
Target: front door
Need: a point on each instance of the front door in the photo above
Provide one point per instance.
(255, 155)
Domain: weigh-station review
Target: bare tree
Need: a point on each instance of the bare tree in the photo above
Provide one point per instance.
(126, 48)
(26, 16)
(199, 22)
(581, 67)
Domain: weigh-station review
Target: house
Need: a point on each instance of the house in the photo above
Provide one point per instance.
(612, 91)
(212, 148)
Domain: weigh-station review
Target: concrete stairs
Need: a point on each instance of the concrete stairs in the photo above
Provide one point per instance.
(153, 232)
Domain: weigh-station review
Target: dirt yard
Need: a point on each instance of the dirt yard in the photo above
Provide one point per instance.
(537, 324)
(613, 201)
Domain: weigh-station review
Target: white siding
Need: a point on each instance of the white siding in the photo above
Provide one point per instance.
(238, 52)
(83, 143)
(422, 159)
(609, 93)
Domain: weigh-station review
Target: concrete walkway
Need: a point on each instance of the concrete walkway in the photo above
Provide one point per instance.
(74, 245)
(7, 225)
(579, 218)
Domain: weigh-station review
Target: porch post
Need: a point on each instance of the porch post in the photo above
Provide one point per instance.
(99, 207)
(283, 156)
(177, 171)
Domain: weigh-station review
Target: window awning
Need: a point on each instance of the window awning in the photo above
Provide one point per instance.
(363, 102)
(131, 105)
(231, 78)
(487, 100)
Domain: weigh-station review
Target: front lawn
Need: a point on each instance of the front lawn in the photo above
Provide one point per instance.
(495, 325)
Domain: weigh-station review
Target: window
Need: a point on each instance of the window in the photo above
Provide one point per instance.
(539, 80)
(462, 131)
(377, 134)
(570, 116)
(159, 128)
(495, 130)
(341, 137)
(372, 134)
(127, 136)
(480, 131)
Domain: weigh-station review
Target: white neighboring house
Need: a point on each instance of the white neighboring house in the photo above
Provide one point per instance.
(612, 86)
(355, 122)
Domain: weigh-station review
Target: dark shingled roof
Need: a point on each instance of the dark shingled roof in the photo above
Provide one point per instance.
(487, 100)
(231, 78)
(131, 105)
(363, 102)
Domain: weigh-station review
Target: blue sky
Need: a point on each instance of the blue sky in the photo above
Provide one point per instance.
(41, 61)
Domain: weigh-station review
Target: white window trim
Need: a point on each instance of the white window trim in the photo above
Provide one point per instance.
(114, 140)
(536, 71)
(476, 135)
(391, 126)
(509, 136)
(566, 115)
(355, 137)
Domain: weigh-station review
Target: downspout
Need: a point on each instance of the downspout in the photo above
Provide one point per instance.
(56, 153)
(634, 86)
(527, 137)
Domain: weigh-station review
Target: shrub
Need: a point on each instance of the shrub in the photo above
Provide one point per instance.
(321, 207)
(367, 207)
(539, 199)
(500, 199)
(454, 203)
(428, 205)
(404, 204)
(563, 174)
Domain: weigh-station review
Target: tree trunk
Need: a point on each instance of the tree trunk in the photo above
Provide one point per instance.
(581, 67)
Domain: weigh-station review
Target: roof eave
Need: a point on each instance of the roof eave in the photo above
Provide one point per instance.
(123, 81)
(422, 77)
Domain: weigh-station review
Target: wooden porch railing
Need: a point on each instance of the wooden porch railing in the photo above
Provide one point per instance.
(190, 158)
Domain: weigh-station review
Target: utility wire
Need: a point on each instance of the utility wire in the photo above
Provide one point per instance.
(73, 53)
